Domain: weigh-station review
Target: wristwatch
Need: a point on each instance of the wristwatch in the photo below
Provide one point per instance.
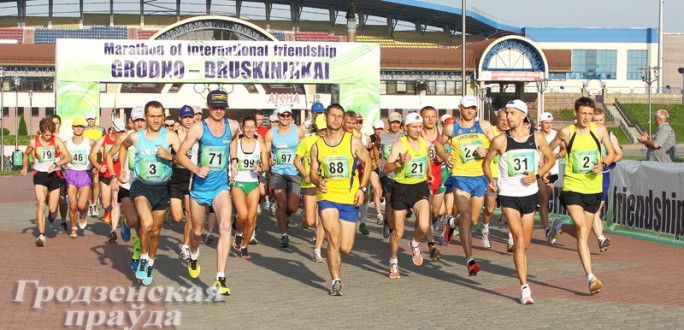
(363, 189)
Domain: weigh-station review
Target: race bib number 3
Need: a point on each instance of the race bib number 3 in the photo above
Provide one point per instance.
(285, 157)
(468, 150)
(584, 161)
(336, 167)
(79, 157)
(152, 170)
(519, 162)
(216, 158)
(415, 168)
(45, 154)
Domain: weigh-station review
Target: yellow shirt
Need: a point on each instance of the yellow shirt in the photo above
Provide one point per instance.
(494, 165)
(415, 170)
(338, 166)
(584, 152)
(464, 145)
(93, 133)
(304, 151)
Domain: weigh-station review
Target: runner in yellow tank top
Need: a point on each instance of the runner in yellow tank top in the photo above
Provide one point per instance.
(469, 142)
(582, 183)
(339, 197)
(410, 164)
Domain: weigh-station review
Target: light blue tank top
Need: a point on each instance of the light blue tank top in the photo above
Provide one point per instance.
(149, 168)
(214, 153)
(283, 150)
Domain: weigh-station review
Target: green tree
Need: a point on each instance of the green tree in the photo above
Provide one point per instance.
(22, 126)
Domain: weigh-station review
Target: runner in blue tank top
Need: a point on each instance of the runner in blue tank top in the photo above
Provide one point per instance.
(209, 183)
(281, 143)
(150, 191)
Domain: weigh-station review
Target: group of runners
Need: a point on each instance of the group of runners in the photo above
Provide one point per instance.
(441, 176)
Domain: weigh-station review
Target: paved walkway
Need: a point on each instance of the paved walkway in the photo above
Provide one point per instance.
(283, 288)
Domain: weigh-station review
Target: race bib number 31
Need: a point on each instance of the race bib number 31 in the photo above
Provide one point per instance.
(468, 150)
(336, 167)
(216, 158)
(519, 162)
(584, 161)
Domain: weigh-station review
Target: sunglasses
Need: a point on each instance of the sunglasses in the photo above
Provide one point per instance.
(169, 125)
(286, 115)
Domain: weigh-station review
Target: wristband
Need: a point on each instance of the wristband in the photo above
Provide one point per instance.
(537, 175)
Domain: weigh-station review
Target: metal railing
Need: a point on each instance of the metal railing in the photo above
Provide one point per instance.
(626, 118)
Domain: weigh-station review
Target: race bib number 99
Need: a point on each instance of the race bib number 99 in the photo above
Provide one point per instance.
(584, 161)
(519, 162)
(216, 158)
(468, 150)
(336, 167)
(247, 163)
(45, 154)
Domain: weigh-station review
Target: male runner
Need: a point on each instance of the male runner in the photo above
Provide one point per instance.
(491, 195)
(546, 184)
(430, 133)
(63, 207)
(517, 182)
(583, 179)
(387, 140)
(340, 192)
(150, 190)
(94, 132)
(209, 185)
(469, 142)
(179, 186)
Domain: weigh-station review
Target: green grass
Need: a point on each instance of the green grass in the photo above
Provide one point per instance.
(677, 159)
(566, 114)
(620, 135)
(23, 140)
(9, 173)
(639, 113)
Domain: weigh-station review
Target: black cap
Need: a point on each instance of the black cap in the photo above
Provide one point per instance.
(217, 99)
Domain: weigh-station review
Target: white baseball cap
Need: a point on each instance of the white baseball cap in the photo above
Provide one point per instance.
(119, 125)
(517, 104)
(137, 113)
(273, 117)
(468, 101)
(545, 116)
(413, 117)
(445, 117)
(379, 124)
(283, 108)
(91, 115)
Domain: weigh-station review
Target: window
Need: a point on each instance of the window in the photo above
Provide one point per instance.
(35, 112)
(593, 64)
(5, 111)
(557, 76)
(391, 87)
(49, 111)
(20, 111)
(636, 59)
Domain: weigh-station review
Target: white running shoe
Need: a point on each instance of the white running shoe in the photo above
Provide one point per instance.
(485, 238)
(526, 296)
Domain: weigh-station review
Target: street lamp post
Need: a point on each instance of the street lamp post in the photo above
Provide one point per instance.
(30, 95)
(649, 75)
(2, 121)
(541, 87)
(17, 80)
(681, 70)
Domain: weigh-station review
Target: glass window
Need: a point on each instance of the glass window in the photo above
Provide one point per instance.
(49, 111)
(593, 64)
(401, 87)
(383, 113)
(20, 111)
(35, 112)
(451, 88)
(636, 59)
(5, 111)
(383, 88)
(391, 87)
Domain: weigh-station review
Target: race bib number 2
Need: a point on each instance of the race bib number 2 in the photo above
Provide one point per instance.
(584, 161)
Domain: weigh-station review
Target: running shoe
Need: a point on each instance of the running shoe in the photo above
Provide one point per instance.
(477, 227)
(50, 218)
(82, 222)
(336, 289)
(63, 225)
(258, 210)
(184, 253)
(221, 286)
(409, 214)
(237, 242)
(136, 248)
(501, 221)
(134, 264)
(317, 257)
(547, 231)
(363, 229)
(244, 254)
(473, 268)
(526, 296)
(73, 234)
(555, 231)
(253, 240)
(386, 231)
(434, 252)
(267, 204)
(112, 237)
(194, 268)
(604, 244)
(485, 238)
(90, 211)
(594, 285)
(148, 276)
(394, 271)
(40, 241)
(380, 220)
(205, 235)
(416, 256)
(211, 237)
(107, 217)
(448, 234)
(510, 246)
(96, 210)
(141, 271)
(125, 231)
(284, 241)
(442, 242)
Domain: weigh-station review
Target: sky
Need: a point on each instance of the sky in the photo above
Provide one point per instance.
(584, 13)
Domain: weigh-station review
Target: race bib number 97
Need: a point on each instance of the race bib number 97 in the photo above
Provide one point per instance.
(285, 157)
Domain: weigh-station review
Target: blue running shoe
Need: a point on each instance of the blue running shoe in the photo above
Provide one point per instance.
(141, 272)
(148, 279)
(134, 264)
(125, 231)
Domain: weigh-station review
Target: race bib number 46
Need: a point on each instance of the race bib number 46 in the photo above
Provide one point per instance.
(584, 161)
(216, 158)
(519, 162)
(79, 157)
(468, 150)
(336, 167)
